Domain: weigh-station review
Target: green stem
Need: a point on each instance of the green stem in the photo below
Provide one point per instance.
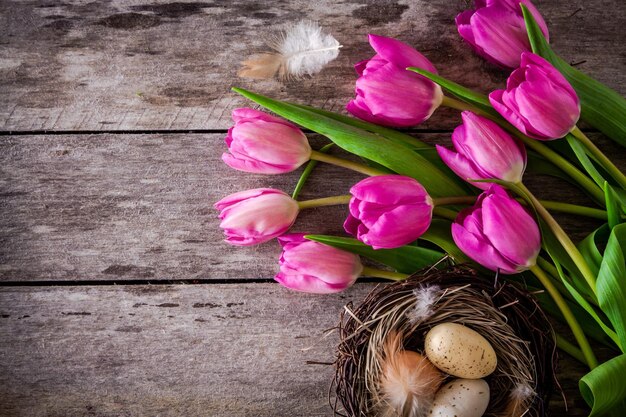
(563, 238)
(354, 166)
(535, 145)
(550, 205)
(445, 213)
(326, 201)
(379, 273)
(587, 352)
(569, 348)
(307, 172)
(600, 157)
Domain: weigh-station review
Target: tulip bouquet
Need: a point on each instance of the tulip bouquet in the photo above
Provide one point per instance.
(419, 204)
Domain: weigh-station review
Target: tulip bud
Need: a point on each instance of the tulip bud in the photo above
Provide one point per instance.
(538, 100)
(312, 267)
(498, 233)
(388, 211)
(256, 216)
(496, 30)
(264, 144)
(484, 151)
(388, 94)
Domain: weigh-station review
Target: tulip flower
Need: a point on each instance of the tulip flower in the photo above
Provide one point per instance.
(388, 211)
(264, 144)
(256, 216)
(496, 30)
(314, 267)
(388, 94)
(538, 100)
(484, 151)
(498, 233)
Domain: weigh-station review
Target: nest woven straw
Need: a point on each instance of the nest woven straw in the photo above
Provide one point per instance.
(505, 315)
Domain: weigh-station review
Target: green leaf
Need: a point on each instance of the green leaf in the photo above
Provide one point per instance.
(580, 152)
(469, 96)
(399, 137)
(615, 204)
(589, 247)
(602, 107)
(604, 389)
(611, 283)
(440, 234)
(366, 145)
(406, 259)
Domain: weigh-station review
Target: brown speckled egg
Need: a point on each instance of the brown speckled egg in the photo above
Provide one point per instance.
(460, 351)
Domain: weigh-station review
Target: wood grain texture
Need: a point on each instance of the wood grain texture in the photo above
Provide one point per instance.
(197, 350)
(145, 64)
(118, 207)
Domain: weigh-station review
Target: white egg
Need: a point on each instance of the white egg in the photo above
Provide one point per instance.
(461, 398)
(460, 351)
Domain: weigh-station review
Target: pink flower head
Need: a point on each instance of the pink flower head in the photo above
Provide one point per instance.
(484, 151)
(538, 100)
(388, 94)
(388, 211)
(496, 30)
(498, 233)
(264, 144)
(256, 216)
(315, 268)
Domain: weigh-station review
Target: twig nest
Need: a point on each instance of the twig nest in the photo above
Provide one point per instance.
(446, 316)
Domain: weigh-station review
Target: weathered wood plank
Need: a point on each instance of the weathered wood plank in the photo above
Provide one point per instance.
(115, 207)
(151, 64)
(211, 350)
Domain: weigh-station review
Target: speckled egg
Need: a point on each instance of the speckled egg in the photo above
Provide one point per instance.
(460, 351)
(461, 398)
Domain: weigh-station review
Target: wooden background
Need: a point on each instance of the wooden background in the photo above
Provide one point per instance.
(117, 295)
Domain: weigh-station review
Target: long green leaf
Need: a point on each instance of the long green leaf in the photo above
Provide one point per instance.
(611, 282)
(406, 259)
(479, 100)
(585, 161)
(601, 107)
(588, 247)
(615, 204)
(365, 144)
(604, 389)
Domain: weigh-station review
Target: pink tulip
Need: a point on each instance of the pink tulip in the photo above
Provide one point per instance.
(484, 151)
(388, 211)
(256, 216)
(498, 233)
(388, 94)
(538, 100)
(264, 144)
(316, 268)
(496, 30)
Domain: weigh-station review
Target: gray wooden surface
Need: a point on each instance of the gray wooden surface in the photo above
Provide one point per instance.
(101, 183)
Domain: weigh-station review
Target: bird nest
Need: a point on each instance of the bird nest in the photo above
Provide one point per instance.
(504, 314)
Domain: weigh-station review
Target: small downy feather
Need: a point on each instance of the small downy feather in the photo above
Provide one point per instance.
(408, 381)
(301, 49)
(425, 298)
(520, 400)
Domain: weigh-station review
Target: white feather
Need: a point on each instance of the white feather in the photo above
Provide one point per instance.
(425, 298)
(301, 49)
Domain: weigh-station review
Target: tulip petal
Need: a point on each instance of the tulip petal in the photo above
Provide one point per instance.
(481, 251)
(500, 34)
(307, 283)
(247, 114)
(399, 226)
(244, 195)
(461, 166)
(329, 264)
(389, 189)
(511, 230)
(399, 53)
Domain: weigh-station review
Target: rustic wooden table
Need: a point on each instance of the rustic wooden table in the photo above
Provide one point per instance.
(118, 296)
